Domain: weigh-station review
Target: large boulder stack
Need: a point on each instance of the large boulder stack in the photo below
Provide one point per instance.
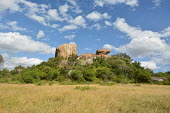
(103, 53)
(66, 50)
(86, 59)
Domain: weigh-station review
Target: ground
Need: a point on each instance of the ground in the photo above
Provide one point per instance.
(119, 98)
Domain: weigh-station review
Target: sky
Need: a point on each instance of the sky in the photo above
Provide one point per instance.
(30, 30)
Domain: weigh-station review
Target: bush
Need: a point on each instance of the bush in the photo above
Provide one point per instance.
(89, 75)
(60, 78)
(142, 76)
(104, 73)
(76, 75)
(51, 83)
(107, 83)
(82, 88)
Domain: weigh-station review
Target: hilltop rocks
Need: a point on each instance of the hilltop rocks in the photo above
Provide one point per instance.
(87, 58)
(66, 50)
(103, 51)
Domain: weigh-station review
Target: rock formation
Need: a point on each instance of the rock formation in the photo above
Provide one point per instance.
(66, 50)
(86, 59)
(102, 51)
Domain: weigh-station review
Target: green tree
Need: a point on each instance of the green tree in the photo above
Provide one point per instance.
(1, 61)
(76, 75)
(142, 76)
(89, 74)
(103, 73)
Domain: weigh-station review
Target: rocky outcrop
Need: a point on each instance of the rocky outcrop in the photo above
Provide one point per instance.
(66, 50)
(103, 51)
(86, 59)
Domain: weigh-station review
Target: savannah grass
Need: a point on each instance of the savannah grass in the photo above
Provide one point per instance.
(119, 98)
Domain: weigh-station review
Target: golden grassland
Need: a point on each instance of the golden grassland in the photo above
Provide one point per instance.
(119, 98)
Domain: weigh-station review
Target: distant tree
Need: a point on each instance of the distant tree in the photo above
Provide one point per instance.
(89, 74)
(142, 76)
(76, 75)
(1, 60)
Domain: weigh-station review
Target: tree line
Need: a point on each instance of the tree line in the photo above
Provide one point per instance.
(119, 68)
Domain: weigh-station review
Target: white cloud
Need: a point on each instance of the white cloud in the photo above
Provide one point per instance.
(149, 64)
(53, 15)
(72, 43)
(68, 27)
(96, 16)
(157, 2)
(101, 3)
(108, 23)
(87, 49)
(63, 9)
(108, 46)
(40, 34)
(144, 44)
(15, 42)
(11, 62)
(76, 7)
(70, 37)
(79, 20)
(11, 5)
(13, 26)
(96, 26)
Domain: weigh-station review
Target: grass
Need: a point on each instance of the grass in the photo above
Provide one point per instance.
(84, 88)
(119, 98)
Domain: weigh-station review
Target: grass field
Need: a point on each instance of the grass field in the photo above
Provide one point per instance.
(119, 98)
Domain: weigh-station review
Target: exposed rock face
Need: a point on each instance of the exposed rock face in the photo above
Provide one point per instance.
(103, 51)
(86, 59)
(66, 50)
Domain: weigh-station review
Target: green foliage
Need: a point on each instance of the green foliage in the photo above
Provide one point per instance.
(104, 73)
(60, 78)
(118, 68)
(142, 76)
(1, 60)
(107, 83)
(76, 75)
(82, 88)
(89, 74)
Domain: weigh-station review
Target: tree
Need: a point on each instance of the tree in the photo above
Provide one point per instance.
(1, 60)
(76, 75)
(142, 76)
(89, 74)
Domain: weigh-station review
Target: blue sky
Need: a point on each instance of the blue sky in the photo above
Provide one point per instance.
(30, 30)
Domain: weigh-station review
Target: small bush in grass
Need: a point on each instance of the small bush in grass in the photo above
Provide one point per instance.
(82, 88)
(107, 83)
(51, 83)
(39, 83)
(68, 83)
(137, 85)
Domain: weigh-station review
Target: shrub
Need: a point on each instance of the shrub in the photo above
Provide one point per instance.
(89, 74)
(103, 72)
(76, 75)
(60, 78)
(82, 88)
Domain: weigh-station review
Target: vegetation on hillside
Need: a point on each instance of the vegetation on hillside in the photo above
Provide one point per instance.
(119, 68)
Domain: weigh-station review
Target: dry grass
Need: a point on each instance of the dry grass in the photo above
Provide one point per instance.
(67, 99)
